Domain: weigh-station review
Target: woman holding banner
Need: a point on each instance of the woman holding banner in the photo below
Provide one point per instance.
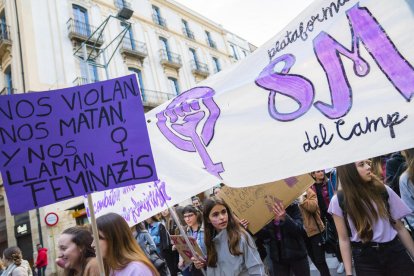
(76, 256)
(368, 216)
(230, 249)
(194, 220)
(120, 252)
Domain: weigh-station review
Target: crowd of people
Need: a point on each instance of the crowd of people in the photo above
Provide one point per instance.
(369, 222)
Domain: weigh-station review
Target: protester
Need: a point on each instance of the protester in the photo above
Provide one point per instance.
(143, 238)
(194, 221)
(230, 249)
(2, 267)
(407, 184)
(216, 190)
(171, 256)
(320, 187)
(159, 235)
(394, 167)
(367, 215)
(287, 246)
(76, 255)
(197, 202)
(15, 265)
(120, 253)
(41, 260)
(314, 227)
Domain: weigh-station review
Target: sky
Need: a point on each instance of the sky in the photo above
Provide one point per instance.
(254, 20)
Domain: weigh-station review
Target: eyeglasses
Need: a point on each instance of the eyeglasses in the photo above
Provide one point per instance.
(188, 216)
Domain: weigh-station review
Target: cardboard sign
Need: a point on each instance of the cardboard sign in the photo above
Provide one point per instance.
(183, 248)
(60, 144)
(255, 203)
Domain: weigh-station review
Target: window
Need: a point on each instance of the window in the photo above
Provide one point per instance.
(208, 36)
(3, 27)
(121, 3)
(244, 53)
(174, 88)
(217, 66)
(194, 57)
(140, 81)
(233, 48)
(93, 72)
(81, 21)
(8, 81)
(185, 25)
(129, 37)
(157, 14)
(165, 47)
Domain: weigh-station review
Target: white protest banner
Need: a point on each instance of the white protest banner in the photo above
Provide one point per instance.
(333, 87)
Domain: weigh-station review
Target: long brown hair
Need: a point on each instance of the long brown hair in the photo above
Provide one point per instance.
(122, 247)
(409, 157)
(361, 198)
(234, 231)
(82, 237)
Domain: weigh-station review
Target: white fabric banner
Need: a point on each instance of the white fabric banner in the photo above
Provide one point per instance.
(333, 87)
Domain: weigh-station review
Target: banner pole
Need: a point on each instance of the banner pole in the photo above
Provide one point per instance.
(180, 228)
(96, 236)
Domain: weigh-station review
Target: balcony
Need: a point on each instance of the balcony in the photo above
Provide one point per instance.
(199, 69)
(169, 59)
(189, 34)
(160, 21)
(211, 43)
(133, 49)
(7, 91)
(5, 40)
(80, 32)
(122, 4)
(153, 98)
(82, 80)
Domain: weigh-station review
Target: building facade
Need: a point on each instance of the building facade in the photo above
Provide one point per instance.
(168, 46)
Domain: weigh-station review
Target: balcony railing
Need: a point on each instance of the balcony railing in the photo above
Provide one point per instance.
(199, 68)
(154, 98)
(211, 43)
(170, 59)
(83, 80)
(81, 31)
(159, 20)
(188, 33)
(5, 40)
(7, 91)
(134, 48)
(122, 4)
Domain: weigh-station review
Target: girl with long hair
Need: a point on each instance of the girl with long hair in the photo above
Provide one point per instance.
(120, 252)
(75, 255)
(407, 184)
(230, 249)
(367, 217)
(15, 265)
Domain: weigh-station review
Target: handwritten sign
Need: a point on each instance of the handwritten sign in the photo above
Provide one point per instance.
(247, 202)
(184, 250)
(60, 144)
(134, 203)
(334, 86)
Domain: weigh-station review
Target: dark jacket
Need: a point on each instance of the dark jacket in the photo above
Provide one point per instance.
(292, 245)
(394, 167)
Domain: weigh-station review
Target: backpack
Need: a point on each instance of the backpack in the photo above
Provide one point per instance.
(341, 200)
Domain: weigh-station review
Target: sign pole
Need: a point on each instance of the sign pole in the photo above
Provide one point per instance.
(180, 227)
(96, 236)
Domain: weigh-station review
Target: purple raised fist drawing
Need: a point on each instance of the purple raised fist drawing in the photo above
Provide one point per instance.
(188, 123)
